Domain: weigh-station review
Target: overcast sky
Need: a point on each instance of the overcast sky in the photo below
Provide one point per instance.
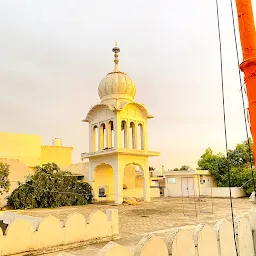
(53, 54)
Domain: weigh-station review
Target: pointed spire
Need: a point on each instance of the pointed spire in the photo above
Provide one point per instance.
(116, 50)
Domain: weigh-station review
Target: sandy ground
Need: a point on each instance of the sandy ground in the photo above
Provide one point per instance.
(162, 213)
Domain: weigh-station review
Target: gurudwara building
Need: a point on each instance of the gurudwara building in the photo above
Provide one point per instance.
(118, 140)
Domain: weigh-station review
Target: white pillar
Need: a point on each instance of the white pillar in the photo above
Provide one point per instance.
(146, 183)
(135, 136)
(92, 139)
(142, 139)
(125, 135)
(117, 132)
(109, 135)
(101, 137)
(98, 136)
(119, 176)
(145, 135)
(128, 134)
(106, 135)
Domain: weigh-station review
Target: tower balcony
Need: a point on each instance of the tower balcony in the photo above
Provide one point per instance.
(123, 151)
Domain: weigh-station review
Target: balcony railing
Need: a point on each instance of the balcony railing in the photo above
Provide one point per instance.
(105, 150)
(120, 150)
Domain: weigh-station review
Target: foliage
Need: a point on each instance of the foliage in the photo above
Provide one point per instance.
(182, 168)
(4, 178)
(151, 168)
(237, 165)
(50, 187)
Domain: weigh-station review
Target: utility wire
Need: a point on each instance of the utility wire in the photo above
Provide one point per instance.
(242, 95)
(225, 123)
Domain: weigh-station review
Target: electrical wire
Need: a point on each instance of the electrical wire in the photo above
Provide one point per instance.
(225, 123)
(242, 96)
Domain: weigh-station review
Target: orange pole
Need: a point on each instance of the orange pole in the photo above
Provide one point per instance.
(248, 66)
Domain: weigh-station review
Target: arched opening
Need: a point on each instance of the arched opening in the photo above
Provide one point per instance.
(132, 135)
(103, 184)
(95, 138)
(133, 181)
(102, 136)
(124, 134)
(140, 137)
(110, 140)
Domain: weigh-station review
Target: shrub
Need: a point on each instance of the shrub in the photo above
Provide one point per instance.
(4, 178)
(50, 187)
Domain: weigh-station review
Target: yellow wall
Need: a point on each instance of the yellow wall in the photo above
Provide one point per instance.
(62, 156)
(24, 147)
(29, 150)
(129, 179)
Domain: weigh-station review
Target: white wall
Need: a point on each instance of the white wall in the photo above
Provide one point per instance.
(205, 189)
(224, 192)
(216, 192)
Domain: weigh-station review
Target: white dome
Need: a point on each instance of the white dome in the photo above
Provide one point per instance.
(116, 85)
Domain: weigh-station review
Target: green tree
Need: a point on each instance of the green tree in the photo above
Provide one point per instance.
(242, 154)
(184, 168)
(4, 178)
(216, 164)
(238, 164)
(50, 187)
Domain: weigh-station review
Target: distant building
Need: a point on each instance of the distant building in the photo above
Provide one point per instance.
(23, 152)
(195, 183)
(18, 173)
(29, 150)
(187, 183)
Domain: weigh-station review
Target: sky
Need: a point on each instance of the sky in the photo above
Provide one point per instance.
(53, 54)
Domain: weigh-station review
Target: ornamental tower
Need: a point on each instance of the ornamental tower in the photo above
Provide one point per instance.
(118, 138)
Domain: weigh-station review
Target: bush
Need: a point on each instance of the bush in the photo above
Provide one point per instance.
(4, 178)
(50, 187)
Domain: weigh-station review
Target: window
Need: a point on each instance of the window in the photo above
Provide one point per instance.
(171, 180)
(202, 180)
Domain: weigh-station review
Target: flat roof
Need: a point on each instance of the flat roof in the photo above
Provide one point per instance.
(186, 173)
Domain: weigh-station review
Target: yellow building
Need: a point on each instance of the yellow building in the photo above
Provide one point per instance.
(29, 150)
(62, 156)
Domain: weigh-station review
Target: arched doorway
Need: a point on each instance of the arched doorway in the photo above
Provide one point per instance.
(133, 181)
(103, 184)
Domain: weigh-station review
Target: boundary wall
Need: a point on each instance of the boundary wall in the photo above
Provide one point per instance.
(202, 240)
(19, 233)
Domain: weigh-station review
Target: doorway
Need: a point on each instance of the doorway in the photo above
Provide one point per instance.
(187, 187)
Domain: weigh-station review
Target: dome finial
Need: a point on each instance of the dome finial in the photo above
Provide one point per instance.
(116, 50)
